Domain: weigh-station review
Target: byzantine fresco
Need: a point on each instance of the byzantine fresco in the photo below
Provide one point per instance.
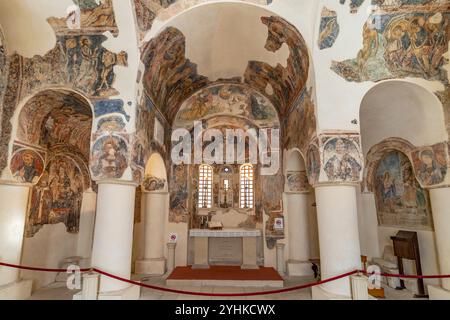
(170, 77)
(227, 99)
(297, 181)
(179, 194)
(3, 67)
(400, 200)
(87, 16)
(57, 197)
(53, 117)
(139, 157)
(152, 183)
(400, 42)
(110, 157)
(430, 164)
(329, 28)
(313, 164)
(300, 125)
(27, 165)
(286, 83)
(342, 159)
(354, 4)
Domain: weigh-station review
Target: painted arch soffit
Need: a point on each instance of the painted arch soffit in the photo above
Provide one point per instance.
(170, 78)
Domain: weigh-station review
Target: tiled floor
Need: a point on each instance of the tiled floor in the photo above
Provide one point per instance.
(58, 291)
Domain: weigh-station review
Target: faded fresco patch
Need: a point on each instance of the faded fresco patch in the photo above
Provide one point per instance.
(400, 43)
(329, 28)
(400, 200)
(430, 164)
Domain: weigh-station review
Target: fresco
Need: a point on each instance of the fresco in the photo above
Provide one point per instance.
(329, 29)
(106, 107)
(58, 195)
(3, 68)
(109, 157)
(286, 83)
(52, 117)
(400, 200)
(297, 181)
(152, 183)
(139, 157)
(170, 78)
(78, 61)
(227, 99)
(430, 164)
(444, 97)
(96, 16)
(354, 4)
(111, 124)
(27, 165)
(313, 164)
(377, 153)
(179, 194)
(300, 125)
(400, 44)
(342, 160)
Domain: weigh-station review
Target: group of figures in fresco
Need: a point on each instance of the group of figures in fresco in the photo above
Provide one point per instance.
(398, 45)
(400, 199)
(57, 196)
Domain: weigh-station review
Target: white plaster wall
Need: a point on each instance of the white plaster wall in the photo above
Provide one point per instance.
(47, 249)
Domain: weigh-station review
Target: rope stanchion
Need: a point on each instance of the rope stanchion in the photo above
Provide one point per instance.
(406, 276)
(38, 269)
(251, 294)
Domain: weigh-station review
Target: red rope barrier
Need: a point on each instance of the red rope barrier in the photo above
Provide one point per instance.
(305, 286)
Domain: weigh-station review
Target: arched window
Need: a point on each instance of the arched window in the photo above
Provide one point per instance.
(205, 186)
(246, 181)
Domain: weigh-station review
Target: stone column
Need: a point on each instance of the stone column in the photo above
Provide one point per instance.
(13, 211)
(87, 220)
(280, 258)
(113, 238)
(338, 237)
(298, 232)
(440, 205)
(171, 257)
(155, 208)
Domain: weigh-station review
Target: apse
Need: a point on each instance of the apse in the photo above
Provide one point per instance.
(240, 44)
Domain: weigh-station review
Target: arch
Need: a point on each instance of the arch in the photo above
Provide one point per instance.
(295, 161)
(155, 178)
(276, 46)
(296, 173)
(398, 108)
(377, 152)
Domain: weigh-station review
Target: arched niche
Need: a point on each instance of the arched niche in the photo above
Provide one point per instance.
(401, 109)
(296, 173)
(155, 179)
(399, 198)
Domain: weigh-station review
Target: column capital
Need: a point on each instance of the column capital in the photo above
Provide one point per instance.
(337, 184)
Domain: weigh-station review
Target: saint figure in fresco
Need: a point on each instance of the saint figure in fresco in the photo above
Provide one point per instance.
(430, 171)
(27, 172)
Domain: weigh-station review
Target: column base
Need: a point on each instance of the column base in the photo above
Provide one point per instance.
(318, 293)
(20, 290)
(154, 267)
(299, 268)
(438, 293)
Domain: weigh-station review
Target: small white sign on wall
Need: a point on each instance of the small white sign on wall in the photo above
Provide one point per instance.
(159, 132)
(173, 237)
(279, 224)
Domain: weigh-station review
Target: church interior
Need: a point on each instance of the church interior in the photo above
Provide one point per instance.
(347, 101)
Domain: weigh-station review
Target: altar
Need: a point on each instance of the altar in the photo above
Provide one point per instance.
(228, 247)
